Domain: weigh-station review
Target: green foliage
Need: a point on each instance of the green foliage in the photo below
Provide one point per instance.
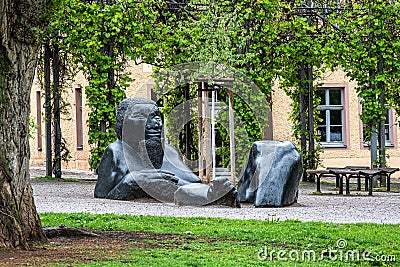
(247, 127)
(264, 40)
(249, 105)
(100, 37)
(32, 127)
(218, 242)
(301, 52)
(174, 106)
(369, 44)
(66, 77)
(229, 34)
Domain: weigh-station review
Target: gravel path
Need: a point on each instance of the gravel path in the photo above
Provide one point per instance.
(62, 196)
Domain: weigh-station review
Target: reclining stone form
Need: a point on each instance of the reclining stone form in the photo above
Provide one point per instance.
(139, 164)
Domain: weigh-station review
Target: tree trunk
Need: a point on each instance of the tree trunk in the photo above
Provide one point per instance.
(19, 221)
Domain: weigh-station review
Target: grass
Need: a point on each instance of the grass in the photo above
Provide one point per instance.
(226, 242)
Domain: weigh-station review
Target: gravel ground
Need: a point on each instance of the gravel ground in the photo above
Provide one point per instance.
(64, 196)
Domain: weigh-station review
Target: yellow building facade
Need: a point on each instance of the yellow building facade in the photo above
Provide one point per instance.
(341, 129)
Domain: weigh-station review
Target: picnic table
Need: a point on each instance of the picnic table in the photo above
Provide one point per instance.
(349, 172)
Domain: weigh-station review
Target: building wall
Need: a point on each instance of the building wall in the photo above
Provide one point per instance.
(355, 153)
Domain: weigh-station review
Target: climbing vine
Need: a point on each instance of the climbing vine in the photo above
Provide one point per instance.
(302, 55)
(55, 86)
(369, 49)
(100, 36)
(226, 33)
(264, 40)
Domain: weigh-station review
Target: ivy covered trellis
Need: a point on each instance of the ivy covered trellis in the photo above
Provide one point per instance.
(295, 41)
(55, 76)
(305, 58)
(369, 42)
(100, 36)
(220, 26)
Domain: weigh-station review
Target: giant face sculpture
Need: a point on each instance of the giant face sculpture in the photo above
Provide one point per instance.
(154, 124)
(141, 134)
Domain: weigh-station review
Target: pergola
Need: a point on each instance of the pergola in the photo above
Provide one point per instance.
(207, 147)
(316, 13)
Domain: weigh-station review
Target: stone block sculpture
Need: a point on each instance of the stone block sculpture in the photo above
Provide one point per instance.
(272, 174)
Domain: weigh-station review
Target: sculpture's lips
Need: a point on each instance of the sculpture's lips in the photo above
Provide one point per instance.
(153, 134)
(153, 131)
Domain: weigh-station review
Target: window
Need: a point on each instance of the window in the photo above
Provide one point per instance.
(39, 120)
(388, 130)
(331, 125)
(79, 126)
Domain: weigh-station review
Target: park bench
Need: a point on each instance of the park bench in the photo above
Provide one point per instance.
(387, 172)
(384, 172)
(349, 172)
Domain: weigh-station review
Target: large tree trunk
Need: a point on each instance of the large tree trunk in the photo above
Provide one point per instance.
(19, 44)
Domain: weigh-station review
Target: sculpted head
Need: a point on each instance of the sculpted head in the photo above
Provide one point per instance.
(142, 116)
(154, 124)
(141, 129)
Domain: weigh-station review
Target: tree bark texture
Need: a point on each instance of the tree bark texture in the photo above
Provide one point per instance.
(19, 44)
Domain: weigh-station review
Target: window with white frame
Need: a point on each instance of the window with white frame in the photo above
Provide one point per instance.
(388, 129)
(331, 125)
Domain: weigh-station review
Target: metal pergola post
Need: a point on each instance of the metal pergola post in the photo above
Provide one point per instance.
(232, 138)
(200, 87)
(56, 111)
(48, 115)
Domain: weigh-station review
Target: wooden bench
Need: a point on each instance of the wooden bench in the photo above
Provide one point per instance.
(350, 172)
(386, 172)
(318, 174)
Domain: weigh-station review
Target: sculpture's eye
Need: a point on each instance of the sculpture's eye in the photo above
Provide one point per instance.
(137, 116)
(156, 117)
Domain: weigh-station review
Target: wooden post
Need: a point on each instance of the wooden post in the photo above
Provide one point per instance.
(187, 130)
(207, 134)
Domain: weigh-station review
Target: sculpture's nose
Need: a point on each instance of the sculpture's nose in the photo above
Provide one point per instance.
(154, 124)
(158, 121)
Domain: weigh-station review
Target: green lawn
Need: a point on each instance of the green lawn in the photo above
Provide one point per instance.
(225, 242)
